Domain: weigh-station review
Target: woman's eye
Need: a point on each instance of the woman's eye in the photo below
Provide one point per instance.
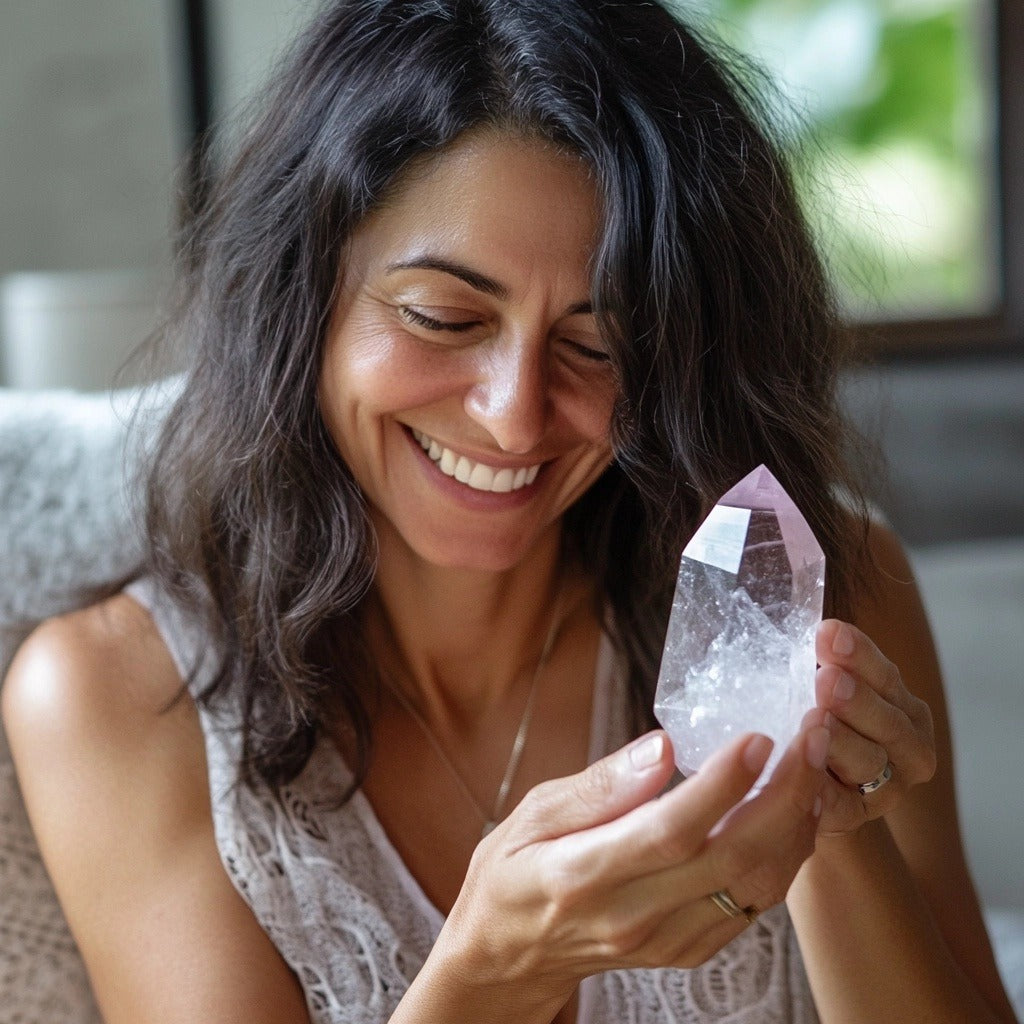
(596, 355)
(414, 316)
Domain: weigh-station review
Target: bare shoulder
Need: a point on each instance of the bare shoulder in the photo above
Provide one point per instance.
(891, 611)
(102, 672)
(98, 736)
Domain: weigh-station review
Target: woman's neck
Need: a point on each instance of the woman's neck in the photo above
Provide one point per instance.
(459, 641)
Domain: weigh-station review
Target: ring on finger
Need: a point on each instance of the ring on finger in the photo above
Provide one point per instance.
(878, 782)
(722, 899)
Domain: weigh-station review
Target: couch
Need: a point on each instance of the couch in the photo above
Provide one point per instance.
(67, 520)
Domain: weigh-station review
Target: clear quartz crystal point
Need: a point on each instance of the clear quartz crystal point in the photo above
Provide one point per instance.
(739, 654)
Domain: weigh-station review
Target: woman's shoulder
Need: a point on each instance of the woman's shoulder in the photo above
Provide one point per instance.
(102, 671)
(98, 722)
(887, 602)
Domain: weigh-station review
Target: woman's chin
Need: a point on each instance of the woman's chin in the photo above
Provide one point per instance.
(473, 558)
(484, 551)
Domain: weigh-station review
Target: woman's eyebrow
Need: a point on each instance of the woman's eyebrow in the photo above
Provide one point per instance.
(481, 282)
(473, 278)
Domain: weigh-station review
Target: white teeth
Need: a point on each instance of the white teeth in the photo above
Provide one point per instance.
(504, 481)
(482, 477)
(477, 475)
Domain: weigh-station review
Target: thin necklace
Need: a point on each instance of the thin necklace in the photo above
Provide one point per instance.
(491, 820)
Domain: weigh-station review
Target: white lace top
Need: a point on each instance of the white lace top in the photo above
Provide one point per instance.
(343, 910)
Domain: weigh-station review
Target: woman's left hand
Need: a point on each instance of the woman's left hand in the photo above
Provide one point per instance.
(883, 742)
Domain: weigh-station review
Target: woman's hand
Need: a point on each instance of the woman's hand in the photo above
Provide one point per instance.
(882, 743)
(595, 871)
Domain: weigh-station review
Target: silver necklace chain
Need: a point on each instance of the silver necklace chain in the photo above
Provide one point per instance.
(491, 820)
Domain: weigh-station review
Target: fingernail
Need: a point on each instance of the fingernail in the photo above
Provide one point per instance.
(647, 752)
(817, 747)
(843, 690)
(842, 642)
(817, 806)
(756, 753)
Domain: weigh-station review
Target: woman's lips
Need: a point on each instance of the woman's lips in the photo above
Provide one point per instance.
(477, 475)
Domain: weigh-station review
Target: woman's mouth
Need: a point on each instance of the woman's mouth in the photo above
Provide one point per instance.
(477, 475)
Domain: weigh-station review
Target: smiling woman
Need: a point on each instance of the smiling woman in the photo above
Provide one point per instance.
(496, 298)
(463, 330)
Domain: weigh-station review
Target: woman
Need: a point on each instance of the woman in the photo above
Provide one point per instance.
(497, 297)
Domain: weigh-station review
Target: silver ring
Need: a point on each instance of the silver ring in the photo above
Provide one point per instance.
(884, 776)
(724, 901)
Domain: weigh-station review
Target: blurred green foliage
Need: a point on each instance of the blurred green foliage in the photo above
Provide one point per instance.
(892, 140)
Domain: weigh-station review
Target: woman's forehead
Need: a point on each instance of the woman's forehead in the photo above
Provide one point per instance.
(503, 200)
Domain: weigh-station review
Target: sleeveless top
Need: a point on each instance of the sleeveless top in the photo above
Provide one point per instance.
(345, 913)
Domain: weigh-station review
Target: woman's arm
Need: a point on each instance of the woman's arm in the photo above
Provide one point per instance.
(887, 916)
(118, 797)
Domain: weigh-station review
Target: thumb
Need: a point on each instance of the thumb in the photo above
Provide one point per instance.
(605, 790)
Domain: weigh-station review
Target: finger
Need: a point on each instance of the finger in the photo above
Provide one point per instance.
(906, 739)
(853, 759)
(795, 784)
(639, 903)
(843, 750)
(758, 849)
(854, 702)
(840, 643)
(604, 791)
(666, 832)
(845, 810)
(673, 828)
(672, 903)
(843, 804)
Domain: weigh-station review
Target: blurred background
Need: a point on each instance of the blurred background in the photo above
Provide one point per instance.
(905, 120)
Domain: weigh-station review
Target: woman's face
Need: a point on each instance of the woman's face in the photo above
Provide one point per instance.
(464, 379)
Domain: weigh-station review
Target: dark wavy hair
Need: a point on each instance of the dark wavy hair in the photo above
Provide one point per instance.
(717, 311)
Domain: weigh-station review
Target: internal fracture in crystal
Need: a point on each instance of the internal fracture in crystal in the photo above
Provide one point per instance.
(739, 652)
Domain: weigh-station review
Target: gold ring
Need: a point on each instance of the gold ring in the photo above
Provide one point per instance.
(724, 901)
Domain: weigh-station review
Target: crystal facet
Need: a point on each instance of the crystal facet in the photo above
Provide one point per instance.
(739, 654)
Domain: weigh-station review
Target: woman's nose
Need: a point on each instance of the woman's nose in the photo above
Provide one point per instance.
(510, 396)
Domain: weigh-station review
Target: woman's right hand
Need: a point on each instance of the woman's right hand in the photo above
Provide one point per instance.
(589, 873)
